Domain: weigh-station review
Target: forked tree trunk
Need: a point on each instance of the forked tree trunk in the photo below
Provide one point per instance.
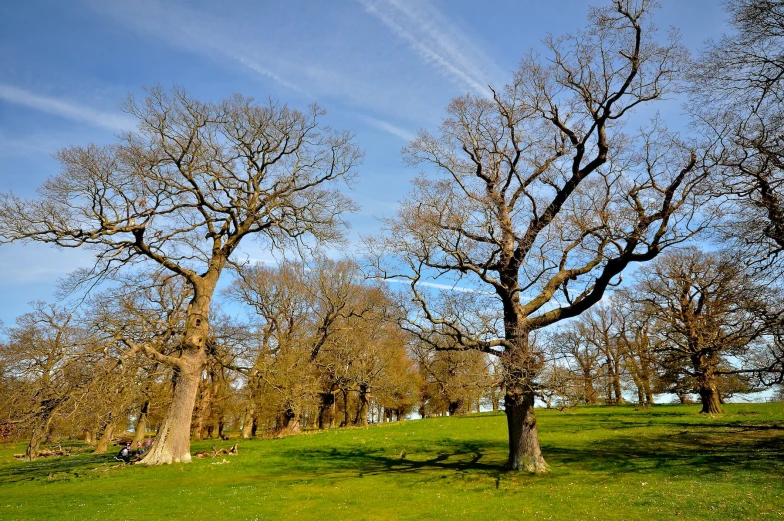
(173, 440)
(289, 421)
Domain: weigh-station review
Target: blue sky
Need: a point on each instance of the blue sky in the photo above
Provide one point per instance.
(381, 68)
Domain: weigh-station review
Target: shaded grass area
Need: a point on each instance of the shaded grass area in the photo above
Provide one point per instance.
(606, 463)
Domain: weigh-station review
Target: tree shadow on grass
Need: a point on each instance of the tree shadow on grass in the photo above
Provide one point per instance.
(457, 457)
(697, 452)
(60, 468)
(703, 451)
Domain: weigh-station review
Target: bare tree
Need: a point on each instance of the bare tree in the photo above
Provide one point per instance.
(738, 102)
(711, 312)
(539, 195)
(181, 193)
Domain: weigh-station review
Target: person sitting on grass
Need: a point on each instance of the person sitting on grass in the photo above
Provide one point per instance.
(125, 453)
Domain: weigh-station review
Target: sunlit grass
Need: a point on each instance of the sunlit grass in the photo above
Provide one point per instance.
(606, 463)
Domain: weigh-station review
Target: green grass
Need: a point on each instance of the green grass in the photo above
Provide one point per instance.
(606, 463)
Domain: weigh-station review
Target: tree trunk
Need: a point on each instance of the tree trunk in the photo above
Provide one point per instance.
(520, 368)
(361, 417)
(709, 395)
(455, 407)
(588, 390)
(39, 433)
(173, 441)
(345, 408)
(290, 423)
(704, 367)
(106, 438)
(202, 410)
(332, 409)
(617, 385)
(247, 424)
(524, 452)
(140, 430)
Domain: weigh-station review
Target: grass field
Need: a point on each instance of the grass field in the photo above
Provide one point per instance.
(606, 463)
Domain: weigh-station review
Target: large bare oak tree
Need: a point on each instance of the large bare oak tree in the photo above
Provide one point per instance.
(542, 196)
(182, 192)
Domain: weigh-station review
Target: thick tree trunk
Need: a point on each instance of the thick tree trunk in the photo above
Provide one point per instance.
(247, 423)
(290, 422)
(140, 429)
(173, 441)
(709, 396)
(524, 452)
(520, 368)
(704, 366)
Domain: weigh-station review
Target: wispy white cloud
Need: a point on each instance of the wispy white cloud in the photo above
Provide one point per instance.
(437, 40)
(389, 128)
(66, 109)
(435, 285)
(193, 31)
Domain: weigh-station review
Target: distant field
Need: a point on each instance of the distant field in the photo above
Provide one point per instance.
(607, 463)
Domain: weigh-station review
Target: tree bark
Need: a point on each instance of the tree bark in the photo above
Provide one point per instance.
(247, 424)
(140, 429)
(361, 417)
(519, 371)
(39, 433)
(173, 441)
(704, 367)
(709, 395)
(524, 451)
(201, 410)
(106, 438)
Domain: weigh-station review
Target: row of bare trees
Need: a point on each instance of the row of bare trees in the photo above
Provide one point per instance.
(534, 202)
(693, 323)
(319, 348)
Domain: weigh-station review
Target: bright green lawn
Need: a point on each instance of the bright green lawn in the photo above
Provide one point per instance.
(607, 463)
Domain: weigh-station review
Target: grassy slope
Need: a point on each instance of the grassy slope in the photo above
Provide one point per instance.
(607, 463)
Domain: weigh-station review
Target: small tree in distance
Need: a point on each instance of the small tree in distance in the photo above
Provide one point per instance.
(182, 192)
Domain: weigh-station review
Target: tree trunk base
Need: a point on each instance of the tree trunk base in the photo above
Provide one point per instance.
(173, 442)
(524, 452)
